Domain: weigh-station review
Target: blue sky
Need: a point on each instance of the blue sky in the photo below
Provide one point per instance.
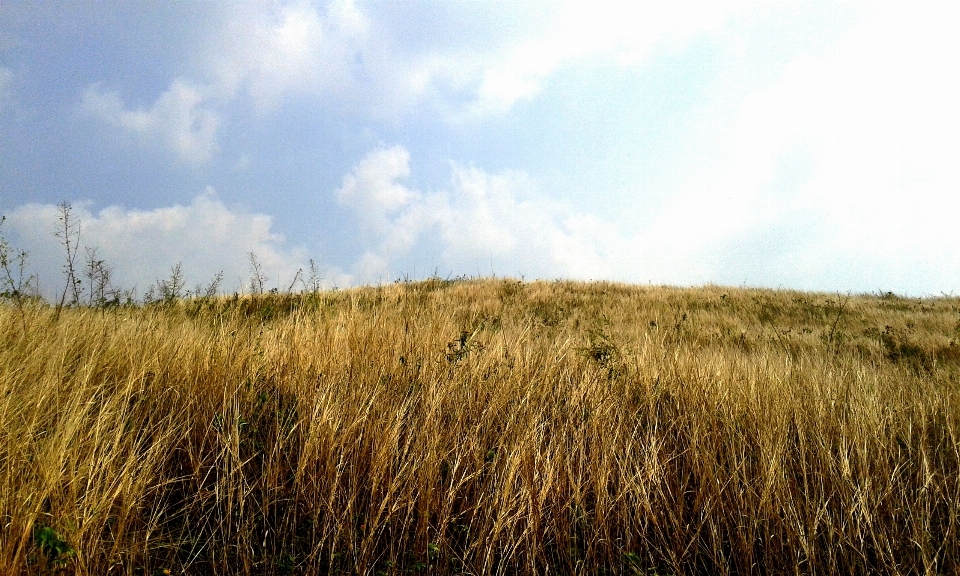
(800, 145)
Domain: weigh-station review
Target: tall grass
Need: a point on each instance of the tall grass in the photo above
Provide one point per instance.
(483, 427)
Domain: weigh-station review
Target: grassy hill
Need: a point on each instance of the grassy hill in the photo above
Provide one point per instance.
(483, 426)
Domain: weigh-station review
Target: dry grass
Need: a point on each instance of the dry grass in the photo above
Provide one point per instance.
(483, 427)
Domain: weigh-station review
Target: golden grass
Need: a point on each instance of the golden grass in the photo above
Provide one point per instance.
(483, 427)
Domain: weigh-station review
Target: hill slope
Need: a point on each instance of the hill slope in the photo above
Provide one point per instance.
(483, 427)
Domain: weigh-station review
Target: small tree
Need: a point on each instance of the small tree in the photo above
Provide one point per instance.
(214, 286)
(15, 283)
(314, 282)
(172, 288)
(68, 232)
(101, 291)
(257, 278)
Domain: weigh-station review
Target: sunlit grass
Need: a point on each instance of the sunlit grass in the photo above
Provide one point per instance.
(483, 427)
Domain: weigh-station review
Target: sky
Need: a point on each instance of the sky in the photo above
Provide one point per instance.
(796, 145)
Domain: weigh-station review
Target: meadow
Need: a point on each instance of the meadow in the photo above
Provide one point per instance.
(482, 426)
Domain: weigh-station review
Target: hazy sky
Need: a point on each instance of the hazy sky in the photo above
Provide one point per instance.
(801, 145)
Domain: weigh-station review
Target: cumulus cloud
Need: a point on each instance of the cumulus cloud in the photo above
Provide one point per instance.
(585, 33)
(273, 52)
(183, 118)
(372, 187)
(266, 52)
(837, 173)
(482, 220)
(367, 55)
(360, 59)
(141, 245)
(499, 220)
(791, 237)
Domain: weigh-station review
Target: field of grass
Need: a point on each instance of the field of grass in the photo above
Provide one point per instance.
(483, 427)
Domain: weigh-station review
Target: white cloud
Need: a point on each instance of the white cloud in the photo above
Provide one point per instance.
(286, 54)
(372, 187)
(369, 61)
(354, 57)
(482, 220)
(839, 174)
(267, 53)
(582, 32)
(183, 118)
(500, 216)
(285, 51)
(793, 238)
(142, 245)
(879, 112)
